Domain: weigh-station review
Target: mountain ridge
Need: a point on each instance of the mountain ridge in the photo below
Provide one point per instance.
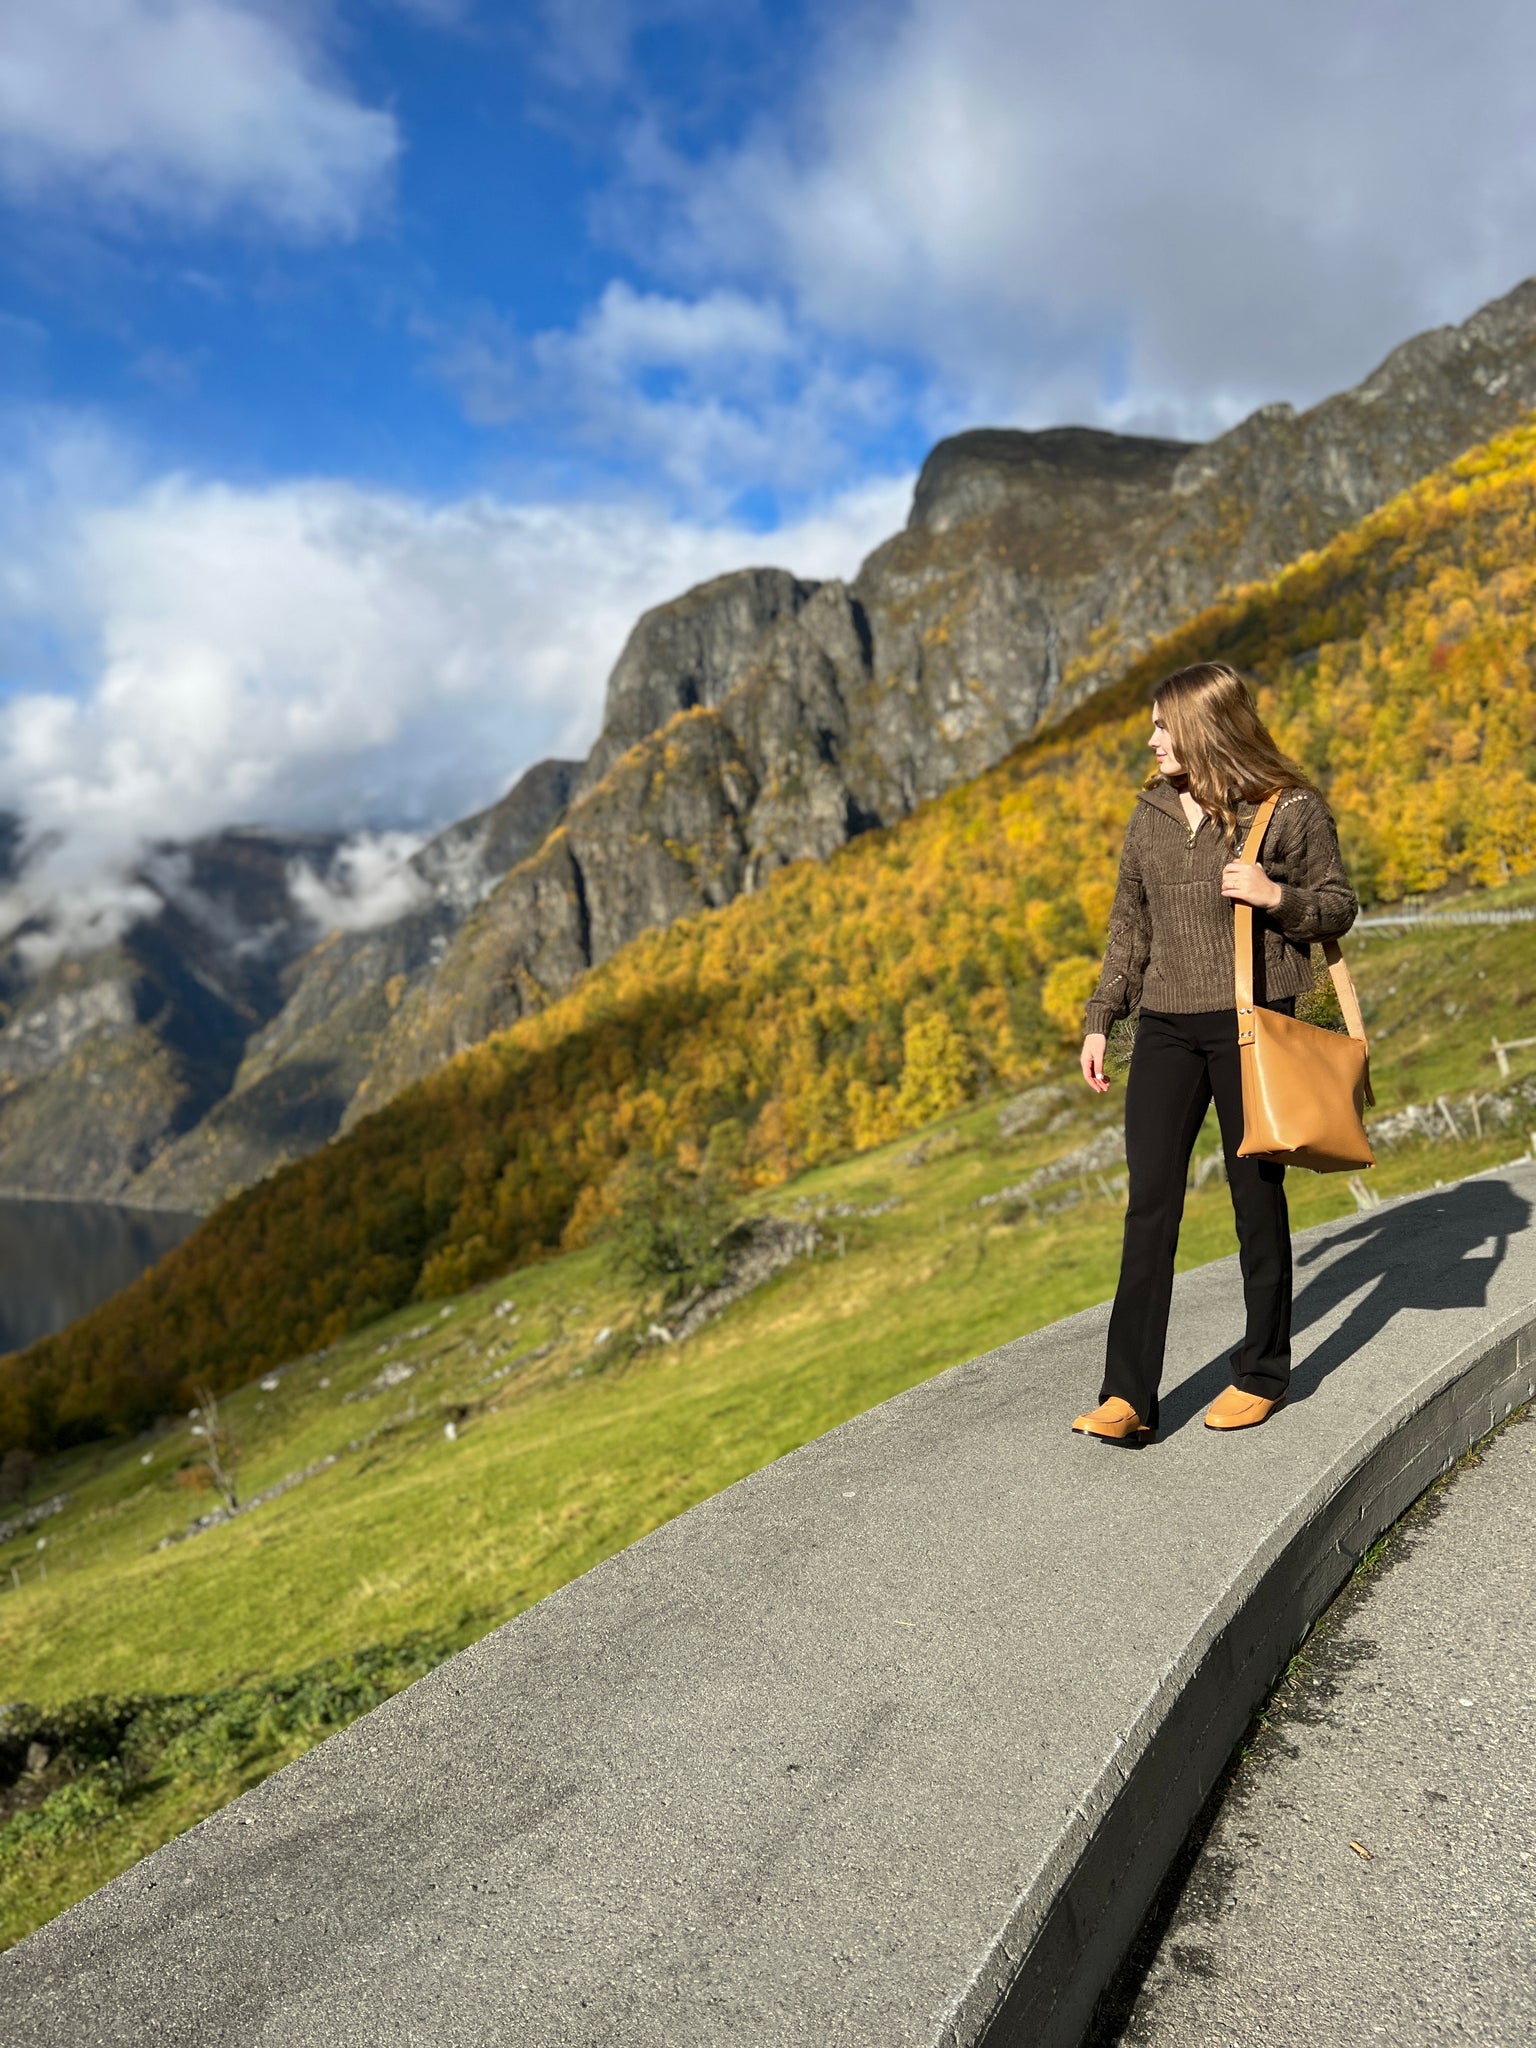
(851, 1000)
(790, 717)
(831, 729)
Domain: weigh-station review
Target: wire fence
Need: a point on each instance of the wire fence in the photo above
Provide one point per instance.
(1407, 919)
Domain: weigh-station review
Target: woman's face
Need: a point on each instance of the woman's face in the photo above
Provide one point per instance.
(1162, 746)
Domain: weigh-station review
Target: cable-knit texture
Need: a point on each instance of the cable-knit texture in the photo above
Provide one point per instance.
(1170, 927)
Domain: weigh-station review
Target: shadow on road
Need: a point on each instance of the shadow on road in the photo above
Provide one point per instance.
(1437, 1251)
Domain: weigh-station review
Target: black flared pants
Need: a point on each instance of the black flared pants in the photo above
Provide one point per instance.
(1178, 1065)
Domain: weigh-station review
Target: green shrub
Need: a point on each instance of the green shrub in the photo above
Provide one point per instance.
(669, 1229)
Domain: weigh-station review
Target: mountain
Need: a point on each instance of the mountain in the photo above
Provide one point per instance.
(1032, 567)
(761, 720)
(301, 1069)
(850, 999)
(109, 1053)
(221, 1025)
(691, 651)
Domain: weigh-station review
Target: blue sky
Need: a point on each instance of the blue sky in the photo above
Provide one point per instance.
(366, 368)
(468, 199)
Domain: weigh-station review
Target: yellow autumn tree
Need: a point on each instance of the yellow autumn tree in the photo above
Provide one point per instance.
(936, 1069)
(1066, 989)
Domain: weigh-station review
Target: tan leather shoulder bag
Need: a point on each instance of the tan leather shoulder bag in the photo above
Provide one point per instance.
(1303, 1088)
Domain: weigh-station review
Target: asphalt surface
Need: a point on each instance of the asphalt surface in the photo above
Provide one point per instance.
(1406, 1728)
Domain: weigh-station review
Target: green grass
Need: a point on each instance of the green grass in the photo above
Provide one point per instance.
(579, 1451)
(1435, 1000)
(120, 1776)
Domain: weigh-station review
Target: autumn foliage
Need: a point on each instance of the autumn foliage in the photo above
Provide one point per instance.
(852, 1000)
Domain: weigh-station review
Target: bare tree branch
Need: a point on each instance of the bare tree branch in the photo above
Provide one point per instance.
(221, 1453)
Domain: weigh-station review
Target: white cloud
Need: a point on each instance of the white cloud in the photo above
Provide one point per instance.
(1148, 217)
(1159, 214)
(632, 332)
(716, 394)
(92, 913)
(191, 108)
(369, 881)
(316, 654)
(724, 336)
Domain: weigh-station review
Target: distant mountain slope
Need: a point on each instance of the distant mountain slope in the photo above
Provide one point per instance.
(856, 704)
(1033, 567)
(106, 1056)
(215, 1038)
(300, 1071)
(847, 1000)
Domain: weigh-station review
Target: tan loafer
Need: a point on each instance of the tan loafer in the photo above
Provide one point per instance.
(1236, 1410)
(1115, 1422)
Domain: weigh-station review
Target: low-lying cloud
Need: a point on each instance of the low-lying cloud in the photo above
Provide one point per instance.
(368, 882)
(314, 654)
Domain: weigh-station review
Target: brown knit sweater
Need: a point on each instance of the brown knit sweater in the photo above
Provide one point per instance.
(1170, 929)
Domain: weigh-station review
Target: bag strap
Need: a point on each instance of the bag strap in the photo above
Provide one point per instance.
(1242, 942)
(1344, 988)
(1242, 925)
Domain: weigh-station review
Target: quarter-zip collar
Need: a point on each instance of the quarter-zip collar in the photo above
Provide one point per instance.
(1162, 796)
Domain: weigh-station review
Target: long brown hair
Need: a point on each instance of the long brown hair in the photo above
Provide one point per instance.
(1223, 745)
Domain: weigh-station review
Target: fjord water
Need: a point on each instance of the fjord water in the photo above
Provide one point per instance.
(59, 1259)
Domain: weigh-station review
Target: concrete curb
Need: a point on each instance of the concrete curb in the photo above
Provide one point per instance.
(1081, 1911)
(888, 1744)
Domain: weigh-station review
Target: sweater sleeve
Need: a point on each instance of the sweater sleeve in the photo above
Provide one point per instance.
(1318, 903)
(1130, 943)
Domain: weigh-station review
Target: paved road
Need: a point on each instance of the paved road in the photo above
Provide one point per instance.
(1407, 1728)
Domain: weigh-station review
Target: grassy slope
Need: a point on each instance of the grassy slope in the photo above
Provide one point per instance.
(553, 1472)
(850, 1000)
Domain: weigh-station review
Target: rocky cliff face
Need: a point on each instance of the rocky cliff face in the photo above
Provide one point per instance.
(691, 651)
(1032, 567)
(300, 1070)
(216, 1038)
(1188, 522)
(106, 1057)
(761, 719)
(1282, 482)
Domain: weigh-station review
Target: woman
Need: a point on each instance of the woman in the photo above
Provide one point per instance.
(1170, 952)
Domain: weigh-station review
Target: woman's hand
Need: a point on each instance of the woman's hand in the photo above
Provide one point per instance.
(1246, 882)
(1092, 1060)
